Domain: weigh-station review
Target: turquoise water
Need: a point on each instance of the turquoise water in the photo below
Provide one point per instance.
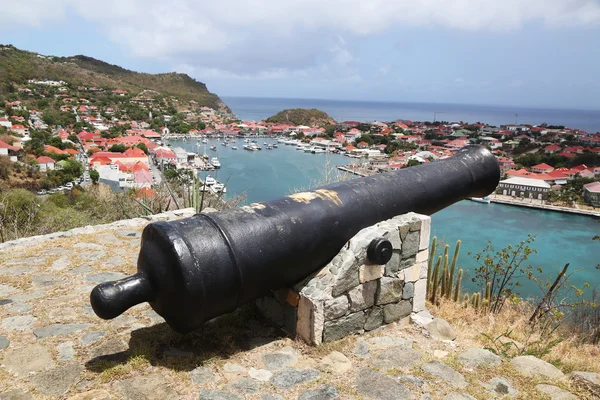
(561, 238)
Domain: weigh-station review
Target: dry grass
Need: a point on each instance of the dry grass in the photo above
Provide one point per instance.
(559, 348)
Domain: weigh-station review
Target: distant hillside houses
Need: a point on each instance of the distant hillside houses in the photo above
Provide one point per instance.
(47, 82)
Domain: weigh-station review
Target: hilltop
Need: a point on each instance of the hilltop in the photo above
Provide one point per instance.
(17, 67)
(302, 116)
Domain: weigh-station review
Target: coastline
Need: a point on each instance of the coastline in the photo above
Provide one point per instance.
(545, 207)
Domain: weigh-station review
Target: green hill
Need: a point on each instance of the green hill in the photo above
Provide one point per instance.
(302, 116)
(18, 66)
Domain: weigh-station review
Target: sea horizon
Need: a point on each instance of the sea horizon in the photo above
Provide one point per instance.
(258, 108)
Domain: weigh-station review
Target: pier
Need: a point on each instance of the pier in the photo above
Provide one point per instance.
(537, 205)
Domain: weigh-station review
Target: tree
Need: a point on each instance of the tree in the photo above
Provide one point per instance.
(412, 163)
(94, 176)
(143, 147)
(117, 148)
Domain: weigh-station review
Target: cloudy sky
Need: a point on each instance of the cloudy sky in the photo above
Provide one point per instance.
(543, 53)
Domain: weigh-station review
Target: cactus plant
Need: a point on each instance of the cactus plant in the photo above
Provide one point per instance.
(457, 287)
(430, 262)
(453, 267)
(436, 280)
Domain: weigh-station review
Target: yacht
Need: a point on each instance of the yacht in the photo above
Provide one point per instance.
(246, 140)
(209, 181)
(224, 143)
(218, 188)
(308, 149)
(234, 148)
(485, 199)
(213, 148)
(251, 147)
(274, 145)
(318, 150)
(215, 162)
(204, 141)
(269, 147)
(302, 146)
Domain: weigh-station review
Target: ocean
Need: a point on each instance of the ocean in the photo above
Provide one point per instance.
(561, 238)
(254, 109)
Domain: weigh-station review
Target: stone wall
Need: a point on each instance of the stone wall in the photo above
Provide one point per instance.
(350, 295)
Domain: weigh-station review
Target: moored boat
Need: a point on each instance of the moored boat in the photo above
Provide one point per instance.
(485, 200)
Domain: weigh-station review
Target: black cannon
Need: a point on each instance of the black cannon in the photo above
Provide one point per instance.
(197, 268)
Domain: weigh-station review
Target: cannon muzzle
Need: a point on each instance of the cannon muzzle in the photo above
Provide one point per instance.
(197, 268)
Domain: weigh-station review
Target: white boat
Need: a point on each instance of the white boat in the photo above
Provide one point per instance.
(302, 147)
(234, 148)
(485, 200)
(269, 147)
(246, 140)
(251, 147)
(224, 143)
(215, 162)
(274, 145)
(318, 150)
(209, 181)
(309, 149)
(213, 148)
(218, 188)
(204, 141)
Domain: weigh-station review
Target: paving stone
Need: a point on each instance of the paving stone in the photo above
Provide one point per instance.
(26, 261)
(459, 396)
(153, 316)
(419, 382)
(149, 387)
(439, 354)
(421, 319)
(440, 329)
(92, 256)
(81, 270)
(88, 246)
(59, 330)
(396, 311)
(60, 264)
(501, 386)
(6, 290)
(107, 238)
(202, 375)
(375, 385)
(18, 298)
(390, 290)
(374, 319)
(337, 363)
(361, 350)
(342, 327)
(475, 357)
(271, 396)
(92, 337)
(290, 377)
(129, 233)
(30, 359)
(534, 367)
(386, 342)
(18, 271)
(46, 280)
(399, 358)
(325, 392)
(4, 302)
(4, 342)
(232, 368)
(285, 357)
(114, 261)
(218, 395)
(362, 296)
(65, 351)
(57, 252)
(19, 307)
(445, 373)
(104, 277)
(262, 375)
(556, 393)
(110, 347)
(97, 394)
(15, 394)
(244, 385)
(19, 323)
(57, 381)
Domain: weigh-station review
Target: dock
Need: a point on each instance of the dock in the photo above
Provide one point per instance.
(546, 207)
(352, 171)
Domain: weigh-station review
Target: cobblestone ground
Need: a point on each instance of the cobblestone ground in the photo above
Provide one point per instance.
(53, 346)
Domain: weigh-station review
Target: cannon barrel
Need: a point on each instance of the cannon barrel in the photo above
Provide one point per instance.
(194, 269)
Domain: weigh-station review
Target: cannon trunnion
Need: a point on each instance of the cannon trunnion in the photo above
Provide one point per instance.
(197, 268)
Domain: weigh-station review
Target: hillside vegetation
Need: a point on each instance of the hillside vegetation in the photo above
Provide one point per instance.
(18, 66)
(302, 116)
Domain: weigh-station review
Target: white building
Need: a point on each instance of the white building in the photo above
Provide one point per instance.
(525, 188)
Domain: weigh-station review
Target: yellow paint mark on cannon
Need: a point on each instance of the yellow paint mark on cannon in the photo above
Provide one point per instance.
(330, 195)
(257, 206)
(303, 197)
(323, 194)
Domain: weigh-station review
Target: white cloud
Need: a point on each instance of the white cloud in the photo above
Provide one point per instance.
(272, 38)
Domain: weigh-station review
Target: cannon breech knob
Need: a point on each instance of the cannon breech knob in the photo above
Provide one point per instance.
(379, 251)
(111, 299)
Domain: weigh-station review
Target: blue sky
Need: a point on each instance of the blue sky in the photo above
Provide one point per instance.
(538, 53)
